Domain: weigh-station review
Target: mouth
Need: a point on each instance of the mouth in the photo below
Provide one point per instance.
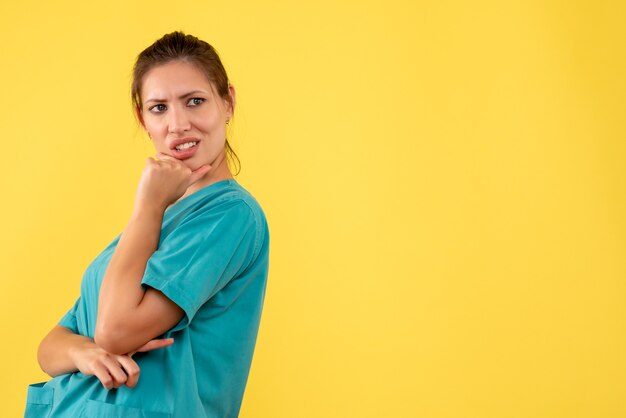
(185, 148)
(186, 145)
(182, 143)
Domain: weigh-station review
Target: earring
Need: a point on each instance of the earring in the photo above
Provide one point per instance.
(228, 122)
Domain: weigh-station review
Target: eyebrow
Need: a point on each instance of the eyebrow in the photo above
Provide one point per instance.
(154, 99)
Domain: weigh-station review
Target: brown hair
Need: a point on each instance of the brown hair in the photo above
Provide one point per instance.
(178, 46)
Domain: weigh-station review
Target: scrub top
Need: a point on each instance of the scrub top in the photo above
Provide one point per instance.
(212, 261)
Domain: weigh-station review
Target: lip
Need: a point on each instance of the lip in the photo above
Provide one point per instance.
(177, 142)
(186, 153)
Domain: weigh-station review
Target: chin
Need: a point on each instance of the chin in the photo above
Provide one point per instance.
(195, 163)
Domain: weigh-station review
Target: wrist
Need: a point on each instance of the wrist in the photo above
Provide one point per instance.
(143, 209)
(74, 350)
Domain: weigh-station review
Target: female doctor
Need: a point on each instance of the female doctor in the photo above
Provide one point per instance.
(168, 313)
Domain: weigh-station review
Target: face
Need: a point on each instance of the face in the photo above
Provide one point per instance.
(180, 106)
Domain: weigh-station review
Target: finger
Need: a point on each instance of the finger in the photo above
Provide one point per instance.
(115, 370)
(155, 344)
(132, 370)
(165, 157)
(103, 376)
(198, 173)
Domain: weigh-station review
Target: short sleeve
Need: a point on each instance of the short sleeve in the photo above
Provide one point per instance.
(69, 319)
(201, 255)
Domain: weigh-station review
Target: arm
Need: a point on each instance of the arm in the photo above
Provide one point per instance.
(56, 349)
(128, 315)
(62, 351)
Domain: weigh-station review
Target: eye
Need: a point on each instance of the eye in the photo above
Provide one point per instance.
(156, 106)
(200, 100)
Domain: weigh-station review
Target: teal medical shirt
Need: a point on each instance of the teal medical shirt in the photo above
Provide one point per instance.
(212, 261)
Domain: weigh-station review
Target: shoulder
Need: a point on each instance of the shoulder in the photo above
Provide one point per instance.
(235, 204)
(236, 198)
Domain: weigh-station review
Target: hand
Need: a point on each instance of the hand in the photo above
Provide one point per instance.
(113, 370)
(164, 180)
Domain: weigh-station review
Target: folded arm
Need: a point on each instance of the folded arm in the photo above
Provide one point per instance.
(62, 351)
(56, 350)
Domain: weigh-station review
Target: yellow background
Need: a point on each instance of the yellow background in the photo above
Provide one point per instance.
(444, 184)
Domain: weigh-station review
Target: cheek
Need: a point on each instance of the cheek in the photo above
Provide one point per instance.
(210, 123)
(153, 125)
(211, 118)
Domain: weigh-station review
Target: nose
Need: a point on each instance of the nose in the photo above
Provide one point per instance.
(178, 121)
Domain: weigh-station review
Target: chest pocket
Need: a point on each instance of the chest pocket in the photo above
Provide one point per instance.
(97, 409)
(38, 401)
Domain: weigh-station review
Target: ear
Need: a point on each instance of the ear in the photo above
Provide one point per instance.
(231, 91)
(139, 116)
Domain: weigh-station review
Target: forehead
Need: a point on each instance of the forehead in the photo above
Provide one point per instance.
(174, 79)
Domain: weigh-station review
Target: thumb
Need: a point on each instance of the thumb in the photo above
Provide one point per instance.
(199, 172)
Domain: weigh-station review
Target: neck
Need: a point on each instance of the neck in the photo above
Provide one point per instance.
(219, 171)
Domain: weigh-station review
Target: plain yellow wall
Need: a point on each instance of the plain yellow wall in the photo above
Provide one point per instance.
(444, 183)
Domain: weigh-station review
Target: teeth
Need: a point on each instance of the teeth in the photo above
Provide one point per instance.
(185, 145)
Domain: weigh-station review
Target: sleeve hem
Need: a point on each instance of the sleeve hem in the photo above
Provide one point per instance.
(174, 293)
(69, 321)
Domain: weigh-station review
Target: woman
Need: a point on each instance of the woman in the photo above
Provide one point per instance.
(168, 313)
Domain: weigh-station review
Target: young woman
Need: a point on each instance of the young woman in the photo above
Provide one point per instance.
(168, 313)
